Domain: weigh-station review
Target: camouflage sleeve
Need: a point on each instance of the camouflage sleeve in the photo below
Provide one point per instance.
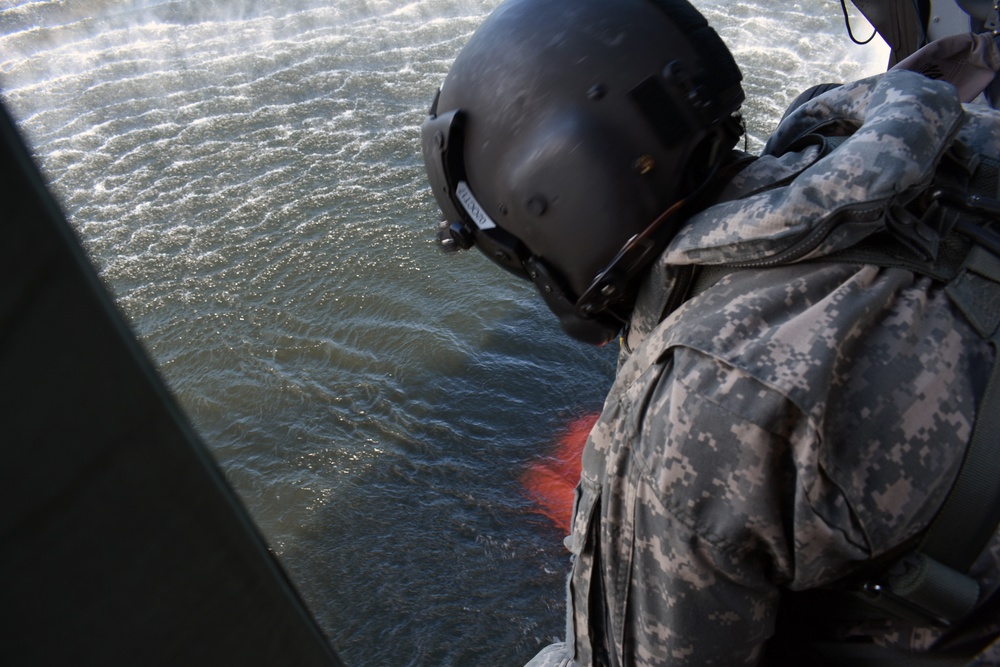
(711, 547)
(693, 537)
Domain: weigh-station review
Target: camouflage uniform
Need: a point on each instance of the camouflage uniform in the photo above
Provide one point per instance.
(791, 422)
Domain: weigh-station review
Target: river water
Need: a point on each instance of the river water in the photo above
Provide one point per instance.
(246, 177)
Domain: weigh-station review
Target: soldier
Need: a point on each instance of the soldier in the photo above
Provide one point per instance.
(804, 354)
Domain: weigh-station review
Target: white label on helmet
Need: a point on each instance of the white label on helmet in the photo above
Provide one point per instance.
(472, 207)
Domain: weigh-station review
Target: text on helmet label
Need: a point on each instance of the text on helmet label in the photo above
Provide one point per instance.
(472, 207)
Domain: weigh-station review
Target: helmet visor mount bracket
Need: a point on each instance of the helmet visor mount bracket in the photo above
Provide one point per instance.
(466, 222)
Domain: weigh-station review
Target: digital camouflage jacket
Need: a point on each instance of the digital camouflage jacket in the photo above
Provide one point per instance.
(796, 419)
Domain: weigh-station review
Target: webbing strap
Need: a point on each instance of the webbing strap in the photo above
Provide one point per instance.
(971, 512)
(932, 581)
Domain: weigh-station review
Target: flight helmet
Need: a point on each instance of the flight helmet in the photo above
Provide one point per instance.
(570, 139)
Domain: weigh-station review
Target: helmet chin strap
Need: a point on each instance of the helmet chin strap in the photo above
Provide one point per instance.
(591, 318)
(596, 329)
(611, 283)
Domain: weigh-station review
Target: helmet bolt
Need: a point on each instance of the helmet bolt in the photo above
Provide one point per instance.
(644, 163)
(537, 205)
(502, 208)
(597, 92)
(439, 139)
(675, 74)
(500, 256)
(608, 290)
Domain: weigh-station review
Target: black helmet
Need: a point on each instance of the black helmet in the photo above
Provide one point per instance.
(567, 138)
